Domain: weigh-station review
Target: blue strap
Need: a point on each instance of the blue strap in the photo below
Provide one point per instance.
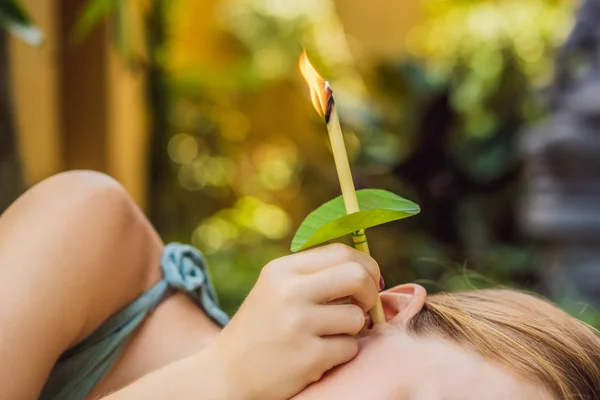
(82, 367)
(184, 269)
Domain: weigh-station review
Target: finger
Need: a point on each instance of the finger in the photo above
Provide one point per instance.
(341, 319)
(342, 300)
(341, 281)
(338, 350)
(367, 326)
(315, 260)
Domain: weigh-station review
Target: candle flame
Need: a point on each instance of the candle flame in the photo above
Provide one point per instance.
(320, 92)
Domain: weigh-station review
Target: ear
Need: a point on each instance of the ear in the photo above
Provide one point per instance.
(403, 302)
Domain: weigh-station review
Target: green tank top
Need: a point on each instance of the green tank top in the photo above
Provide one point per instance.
(82, 367)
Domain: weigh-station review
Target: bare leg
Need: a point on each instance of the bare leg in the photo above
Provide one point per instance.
(73, 251)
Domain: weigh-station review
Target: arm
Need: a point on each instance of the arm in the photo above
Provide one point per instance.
(201, 376)
(289, 331)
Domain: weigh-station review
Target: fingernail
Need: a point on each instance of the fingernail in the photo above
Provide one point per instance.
(381, 283)
(368, 322)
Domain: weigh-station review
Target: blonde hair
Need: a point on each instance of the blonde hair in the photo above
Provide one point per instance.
(529, 335)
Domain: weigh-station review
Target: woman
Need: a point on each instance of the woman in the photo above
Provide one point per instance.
(75, 252)
(485, 344)
(91, 302)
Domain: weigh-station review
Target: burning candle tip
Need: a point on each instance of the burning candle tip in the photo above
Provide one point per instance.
(321, 95)
(320, 91)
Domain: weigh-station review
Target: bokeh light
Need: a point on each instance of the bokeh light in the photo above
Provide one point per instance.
(182, 148)
(252, 159)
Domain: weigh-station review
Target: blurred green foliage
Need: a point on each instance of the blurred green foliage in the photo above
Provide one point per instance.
(439, 125)
(15, 18)
(126, 25)
(464, 93)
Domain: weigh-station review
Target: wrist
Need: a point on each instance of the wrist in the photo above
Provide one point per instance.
(225, 384)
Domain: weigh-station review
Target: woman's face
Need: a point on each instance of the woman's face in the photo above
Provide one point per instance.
(391, 365)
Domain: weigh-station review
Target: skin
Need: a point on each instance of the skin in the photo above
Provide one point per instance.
(391, 365)
(79, 244)
(95, 252)
(289, 331)
(74, 250)
(77, 259)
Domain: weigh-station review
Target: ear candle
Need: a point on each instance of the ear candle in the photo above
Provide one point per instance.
(322, 96)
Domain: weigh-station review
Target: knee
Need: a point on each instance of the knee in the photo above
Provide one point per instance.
(88, 232)
(84, 207)
(81, 182)
(99, 215)
(93, 193)
(87, 202)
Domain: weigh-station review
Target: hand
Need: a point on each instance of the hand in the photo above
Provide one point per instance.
(292, 327)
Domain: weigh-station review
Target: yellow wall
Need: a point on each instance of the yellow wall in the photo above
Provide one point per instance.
(77, 106)
(80, 107)
(127, 140)
(36, 72)
(377, 29)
